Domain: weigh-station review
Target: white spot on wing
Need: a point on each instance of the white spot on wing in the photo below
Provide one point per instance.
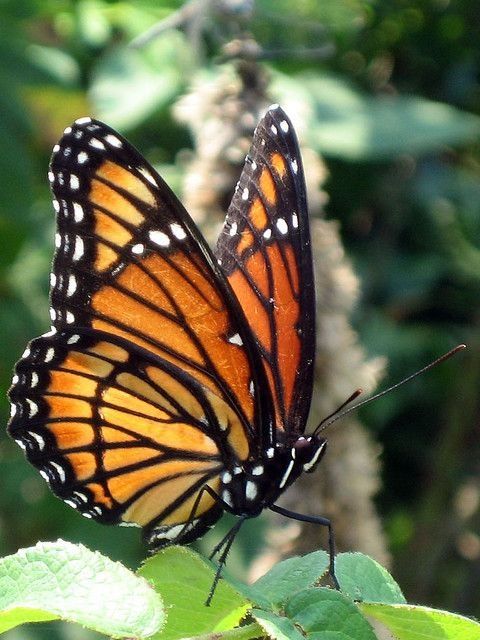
(82, 157)
(58, 240)
(96, 144)
(51, 177)
(38, 439)
(233, 229)
(13, 411)
(49, 355)
(159, 237)
(173, 532)
(32, 408)
(146, 174)
(236, 339)
(73, 339)
(267, 234)
(274, 129)
(79, 249)
(34, 382)
(270, 452)
(294, 164)
(258, 470)
(138, 249)
(74, 182)
(178, 231)
(59, 469)
(294, 220)
(245, 194)
(78, 212)
(113, 140)
(56, 206)
(282, 226)
(227, 477)
(67, 131)
(284, 126)
(84, 120)
(70, 317)
(72, 285)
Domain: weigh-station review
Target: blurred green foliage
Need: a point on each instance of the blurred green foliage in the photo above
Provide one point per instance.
(393, 97)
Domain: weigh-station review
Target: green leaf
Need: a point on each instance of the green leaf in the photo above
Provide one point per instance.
(326, 614)
(277, 627)
(60, 580)
(317, 614)
(362, 578)
(409, 622)
(291, 575)
(347, 124)
(184, 580)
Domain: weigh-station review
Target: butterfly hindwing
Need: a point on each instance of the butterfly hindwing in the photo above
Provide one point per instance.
(118, 433)
(265, 251)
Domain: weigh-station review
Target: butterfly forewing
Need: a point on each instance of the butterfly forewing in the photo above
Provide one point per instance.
(264, 249)
(129, 261)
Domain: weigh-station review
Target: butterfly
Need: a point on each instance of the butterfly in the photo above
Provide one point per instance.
(175, 382)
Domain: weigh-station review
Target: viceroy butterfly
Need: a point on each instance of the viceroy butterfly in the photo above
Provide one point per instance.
(175, 382)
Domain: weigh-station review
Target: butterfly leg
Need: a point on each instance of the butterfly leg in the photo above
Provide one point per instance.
(324, 522)
(226, 544)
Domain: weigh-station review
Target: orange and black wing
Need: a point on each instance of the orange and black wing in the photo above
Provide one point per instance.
(265, 252)
(130, 264)
(119, 434)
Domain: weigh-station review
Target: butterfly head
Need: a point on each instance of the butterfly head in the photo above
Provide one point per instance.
(309, 451)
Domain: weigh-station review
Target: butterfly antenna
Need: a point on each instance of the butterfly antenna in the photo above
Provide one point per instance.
(338, 413)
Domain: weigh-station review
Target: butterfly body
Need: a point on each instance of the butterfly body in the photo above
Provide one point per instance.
(175, 382)
(248, 490)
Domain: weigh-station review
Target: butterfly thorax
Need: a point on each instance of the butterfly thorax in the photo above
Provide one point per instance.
(254, 486)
